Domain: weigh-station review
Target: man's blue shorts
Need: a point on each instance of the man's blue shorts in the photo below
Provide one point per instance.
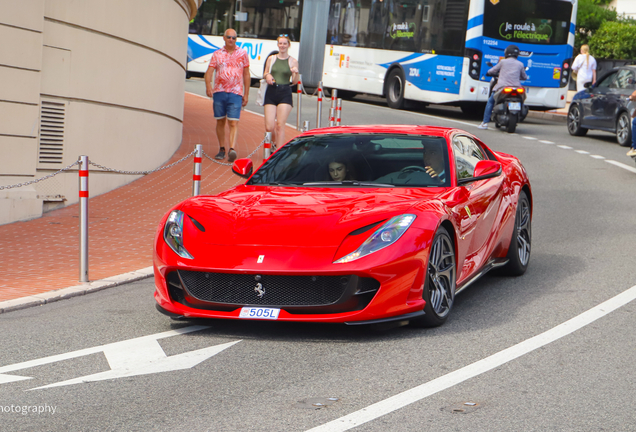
(227, 105)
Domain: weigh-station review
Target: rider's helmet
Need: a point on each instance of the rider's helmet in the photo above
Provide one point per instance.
(512, 51)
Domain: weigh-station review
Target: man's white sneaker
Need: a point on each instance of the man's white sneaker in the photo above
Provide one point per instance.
(483, 126)
(631, 152)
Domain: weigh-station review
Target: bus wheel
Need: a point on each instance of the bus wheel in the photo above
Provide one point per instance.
(395, 89)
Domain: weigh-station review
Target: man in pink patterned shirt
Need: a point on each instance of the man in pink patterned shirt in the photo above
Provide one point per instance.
(230, 92)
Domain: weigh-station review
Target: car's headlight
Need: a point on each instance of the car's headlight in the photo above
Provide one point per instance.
(384, 236)
(173, 234)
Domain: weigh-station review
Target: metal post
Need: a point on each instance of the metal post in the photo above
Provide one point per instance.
(319, 111)
(267, 145)
(83, 201)
(338, 111)
(332, 117)
(299, 90)
(334, 96)
(305, 125)
(196, 177)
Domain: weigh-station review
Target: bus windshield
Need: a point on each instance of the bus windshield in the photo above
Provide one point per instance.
(545, 22)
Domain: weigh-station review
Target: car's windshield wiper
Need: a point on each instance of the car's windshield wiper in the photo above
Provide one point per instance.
(277, 184)
(347, 183)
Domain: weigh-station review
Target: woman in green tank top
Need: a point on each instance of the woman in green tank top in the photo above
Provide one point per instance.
(281, 71)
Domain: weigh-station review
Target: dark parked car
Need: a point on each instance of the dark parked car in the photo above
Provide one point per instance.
(603, 106)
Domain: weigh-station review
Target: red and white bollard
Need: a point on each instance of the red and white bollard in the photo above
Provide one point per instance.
(338, 111)
(267, 145)
(83, 202)
(332, 110)
(299, 91)
(196, 176)
(319, 110)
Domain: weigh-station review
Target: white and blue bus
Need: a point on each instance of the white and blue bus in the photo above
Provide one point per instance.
(257, 25)
(437, 51)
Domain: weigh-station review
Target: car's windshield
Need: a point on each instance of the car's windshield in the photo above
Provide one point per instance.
(358, 160)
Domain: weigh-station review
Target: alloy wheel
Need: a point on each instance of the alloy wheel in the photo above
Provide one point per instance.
(574, 120)
(441, 276)
(623, 128)
(523, 231)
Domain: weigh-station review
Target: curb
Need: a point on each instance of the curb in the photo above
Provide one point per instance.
(74, 291)
(546, 115)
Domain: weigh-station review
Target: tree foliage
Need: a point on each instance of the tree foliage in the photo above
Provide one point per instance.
(614, 40)
(589, 18)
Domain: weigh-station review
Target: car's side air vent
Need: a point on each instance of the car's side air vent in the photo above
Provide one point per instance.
(51, 148)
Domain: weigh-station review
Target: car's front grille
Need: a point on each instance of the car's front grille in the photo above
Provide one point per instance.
(297, 294)
(264, 290)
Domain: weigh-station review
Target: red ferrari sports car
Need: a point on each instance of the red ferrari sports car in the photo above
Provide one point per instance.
(355, 225)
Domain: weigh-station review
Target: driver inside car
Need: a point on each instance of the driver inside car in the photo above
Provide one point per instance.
(432, 173)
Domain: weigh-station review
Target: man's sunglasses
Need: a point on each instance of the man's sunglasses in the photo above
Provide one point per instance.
(283, 35)
(230, 37)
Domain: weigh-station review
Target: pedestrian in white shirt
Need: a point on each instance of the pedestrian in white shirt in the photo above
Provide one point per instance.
(585, 67)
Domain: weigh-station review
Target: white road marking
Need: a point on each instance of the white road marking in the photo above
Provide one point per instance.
(621, 165)
(444, 382)
(529, 138)
(564, 147)
(597, 156)
(546, 142)
(138, 356)
(582, 152)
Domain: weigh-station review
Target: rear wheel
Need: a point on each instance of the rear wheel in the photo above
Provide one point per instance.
(624, 130)
(519, 250)
(512, 123)
(439, 287)
(574, 122)
(395, 89)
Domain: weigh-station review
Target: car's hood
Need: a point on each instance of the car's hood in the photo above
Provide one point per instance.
(309, 217)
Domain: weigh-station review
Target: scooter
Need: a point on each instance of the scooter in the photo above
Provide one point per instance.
(509, 108)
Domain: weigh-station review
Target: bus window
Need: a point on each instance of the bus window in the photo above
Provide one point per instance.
(400, 25)
(443, 26)
(259, 20)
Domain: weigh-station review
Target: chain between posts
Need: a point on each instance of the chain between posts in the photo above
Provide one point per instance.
(104, 168)
(41, 178)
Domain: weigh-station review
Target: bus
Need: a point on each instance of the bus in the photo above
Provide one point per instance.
(257, 26)
(438, 51)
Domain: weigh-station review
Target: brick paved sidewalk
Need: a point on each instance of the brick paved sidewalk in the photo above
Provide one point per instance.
(43, 254)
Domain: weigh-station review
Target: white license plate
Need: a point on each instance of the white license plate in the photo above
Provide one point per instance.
(259, 313)
(514, 106)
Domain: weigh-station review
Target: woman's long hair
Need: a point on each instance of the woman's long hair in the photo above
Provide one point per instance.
(585, 49)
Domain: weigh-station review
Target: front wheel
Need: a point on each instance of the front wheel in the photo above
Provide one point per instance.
(520, 243)
(395, 89)
(574, 122)
(439, 285)
(624, 130)
(512, 123)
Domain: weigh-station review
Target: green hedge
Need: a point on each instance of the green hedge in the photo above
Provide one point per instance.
(614, 40)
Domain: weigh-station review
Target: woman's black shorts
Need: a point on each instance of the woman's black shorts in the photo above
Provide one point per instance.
(278, 94)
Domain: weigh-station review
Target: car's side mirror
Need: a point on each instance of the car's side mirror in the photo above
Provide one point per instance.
(484, 169)
(587, 85)
(243, 167)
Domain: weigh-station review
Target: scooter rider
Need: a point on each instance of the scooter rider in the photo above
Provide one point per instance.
(511, 72)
